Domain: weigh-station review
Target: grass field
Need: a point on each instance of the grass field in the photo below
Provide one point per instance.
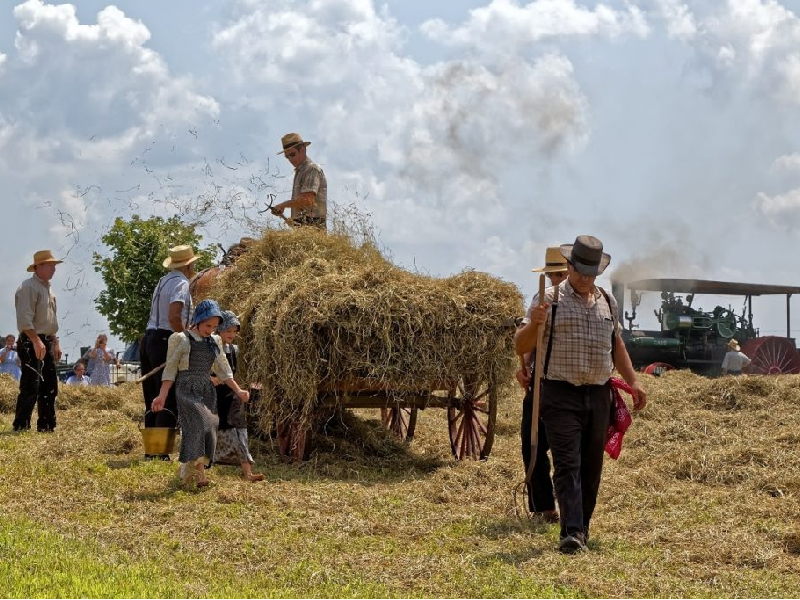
(703, 502)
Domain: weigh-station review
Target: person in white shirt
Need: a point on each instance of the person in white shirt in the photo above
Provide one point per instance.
(170, 311)
(78, 377)
(735, 360)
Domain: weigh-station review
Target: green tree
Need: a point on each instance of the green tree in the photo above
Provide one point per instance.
(131, 272)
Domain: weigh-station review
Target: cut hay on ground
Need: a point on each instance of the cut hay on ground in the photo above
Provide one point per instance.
(320, 310)
(704, 501)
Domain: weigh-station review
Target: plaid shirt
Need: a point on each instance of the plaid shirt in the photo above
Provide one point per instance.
(581, 352)
(308, 177)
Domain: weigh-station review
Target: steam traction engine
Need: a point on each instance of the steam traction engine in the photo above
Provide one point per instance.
(692, 338)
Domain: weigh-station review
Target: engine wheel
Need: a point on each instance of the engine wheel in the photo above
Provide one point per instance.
(771, 355)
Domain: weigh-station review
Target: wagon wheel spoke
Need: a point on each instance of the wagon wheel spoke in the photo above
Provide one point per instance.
(471, 419)
(400, 420)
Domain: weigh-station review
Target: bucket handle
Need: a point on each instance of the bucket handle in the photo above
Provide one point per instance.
(149, 411)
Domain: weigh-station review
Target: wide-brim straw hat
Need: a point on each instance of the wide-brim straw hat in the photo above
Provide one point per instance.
(733, 345)
(180, 256)
(554, 262)
(586, 255)
(290, 140)
(41, 257)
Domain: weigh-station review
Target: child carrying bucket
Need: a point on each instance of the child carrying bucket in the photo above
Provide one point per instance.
(232, 445)
(191, 356)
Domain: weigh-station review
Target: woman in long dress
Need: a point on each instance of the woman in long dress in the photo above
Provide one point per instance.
(98, 367)
(9, 359)
(232, 445)
(191, 356)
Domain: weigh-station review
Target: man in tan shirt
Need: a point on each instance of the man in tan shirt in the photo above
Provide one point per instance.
(309, 202)
(38, 324)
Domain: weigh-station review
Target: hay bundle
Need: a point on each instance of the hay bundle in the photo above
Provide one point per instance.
(319, 310)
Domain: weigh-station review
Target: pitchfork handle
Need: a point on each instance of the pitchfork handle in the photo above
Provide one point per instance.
(536, 383)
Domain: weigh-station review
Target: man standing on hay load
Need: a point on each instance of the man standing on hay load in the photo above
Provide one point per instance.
(582, 345)
(170, 310)
(37, 324)
(309, 202)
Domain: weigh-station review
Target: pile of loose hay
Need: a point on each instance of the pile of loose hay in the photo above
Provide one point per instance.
(318, 310)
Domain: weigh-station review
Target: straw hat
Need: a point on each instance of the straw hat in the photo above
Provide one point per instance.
(290, 140)
(554, 262)
(586, 255)
(733, 345)
(179, 256)
(41, 257)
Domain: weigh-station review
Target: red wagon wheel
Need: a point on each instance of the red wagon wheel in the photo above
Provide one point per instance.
(400, 421)
(471, 419)
(294, 440)
(771, 355)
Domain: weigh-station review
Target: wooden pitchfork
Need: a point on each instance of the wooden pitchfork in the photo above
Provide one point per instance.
(150, 373)
(524, 488)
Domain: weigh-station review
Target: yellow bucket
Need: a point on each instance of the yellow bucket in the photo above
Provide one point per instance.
(158, 440)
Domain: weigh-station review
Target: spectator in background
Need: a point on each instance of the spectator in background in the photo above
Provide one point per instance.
(9, 359)
(78, 377)
(735, 360)
(100, 360)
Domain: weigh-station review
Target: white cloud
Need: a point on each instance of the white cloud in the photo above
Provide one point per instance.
(321, 44)
(505, 25)
(93, 82)
(752, 43)
(782, 210)
(680, 21)
(787, 162)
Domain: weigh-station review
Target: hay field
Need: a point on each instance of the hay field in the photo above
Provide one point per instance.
(703, 502)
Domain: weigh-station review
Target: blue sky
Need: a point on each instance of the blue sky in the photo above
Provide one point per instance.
(475, 133)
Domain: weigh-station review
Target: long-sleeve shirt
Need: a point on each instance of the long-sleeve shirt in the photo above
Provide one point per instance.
(178, 350)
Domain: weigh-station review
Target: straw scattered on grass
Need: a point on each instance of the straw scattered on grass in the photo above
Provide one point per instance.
(702, 502)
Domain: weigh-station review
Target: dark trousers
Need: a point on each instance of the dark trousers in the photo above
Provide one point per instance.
(153, 353)
(38, 385)
(540, 491)
(576, 420)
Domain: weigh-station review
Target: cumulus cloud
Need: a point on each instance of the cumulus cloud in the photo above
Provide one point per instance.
(787, 162)
(107, 86)
(781, 210)
(679, 19)
(319, 45)
(509, 26)
(750, 43)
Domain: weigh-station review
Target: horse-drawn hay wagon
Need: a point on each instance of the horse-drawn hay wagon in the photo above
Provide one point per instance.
(330, 324)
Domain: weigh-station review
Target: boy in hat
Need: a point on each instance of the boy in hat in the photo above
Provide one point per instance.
(582, 346)
(309, 202)
(37, 323)
(170, 311)
(735, 360)
(541, 501)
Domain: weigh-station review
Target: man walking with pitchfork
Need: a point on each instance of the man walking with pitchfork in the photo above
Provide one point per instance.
(581, 346)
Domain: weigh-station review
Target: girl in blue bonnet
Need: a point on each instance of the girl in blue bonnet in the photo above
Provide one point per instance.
(191, 356)
(232, 446)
